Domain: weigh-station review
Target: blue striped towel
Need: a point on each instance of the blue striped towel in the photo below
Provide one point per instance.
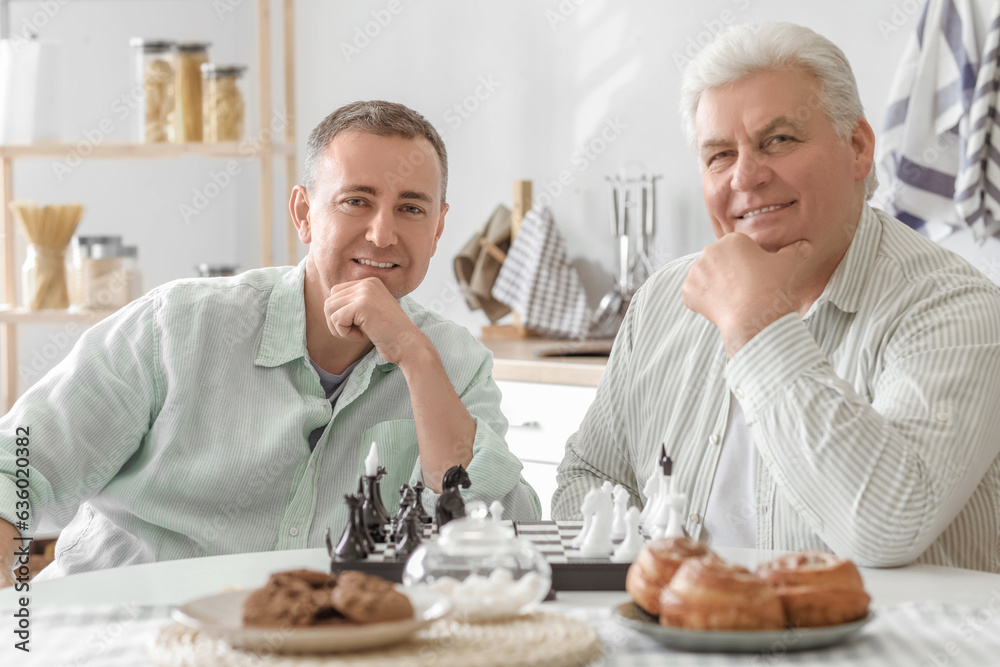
(937, 150)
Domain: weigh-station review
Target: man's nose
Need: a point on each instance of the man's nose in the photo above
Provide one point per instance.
(382, 228)
(750, 171)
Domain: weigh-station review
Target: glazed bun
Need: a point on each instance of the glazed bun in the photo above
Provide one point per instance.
(655, 566)
(709, 594)
(816, 588)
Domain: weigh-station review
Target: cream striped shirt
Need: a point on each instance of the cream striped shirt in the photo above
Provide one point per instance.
(179, 427)
(876, 419)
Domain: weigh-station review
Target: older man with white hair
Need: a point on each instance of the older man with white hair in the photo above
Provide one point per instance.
(822, 376)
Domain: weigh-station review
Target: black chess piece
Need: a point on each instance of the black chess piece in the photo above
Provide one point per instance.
(406, 500)
(665, 462)
(418, 491)
(450, 504)
(374, 516)
(411, 533)
(351, 546)
(359, 517)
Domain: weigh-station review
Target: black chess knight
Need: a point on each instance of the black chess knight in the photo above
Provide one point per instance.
(450, 504)
(409, 529)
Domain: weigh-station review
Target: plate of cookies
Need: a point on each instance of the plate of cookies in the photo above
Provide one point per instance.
(307, 611)
(686, 597)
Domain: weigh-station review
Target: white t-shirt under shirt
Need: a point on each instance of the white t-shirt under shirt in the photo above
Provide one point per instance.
(731, 514)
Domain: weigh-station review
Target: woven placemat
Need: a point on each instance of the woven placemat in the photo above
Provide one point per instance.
(541, 638)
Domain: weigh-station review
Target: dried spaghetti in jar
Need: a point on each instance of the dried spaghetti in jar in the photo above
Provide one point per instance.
(224, 109)
(187, 91)
(154, 79)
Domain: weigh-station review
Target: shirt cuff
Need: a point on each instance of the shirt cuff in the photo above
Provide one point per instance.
(771, 361)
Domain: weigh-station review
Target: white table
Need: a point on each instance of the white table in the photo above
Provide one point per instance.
(174, 582)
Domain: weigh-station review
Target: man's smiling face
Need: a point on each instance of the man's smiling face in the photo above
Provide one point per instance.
(375, 210)
(773, 167)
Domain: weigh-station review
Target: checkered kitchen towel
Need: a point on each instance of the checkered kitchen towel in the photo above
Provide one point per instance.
(538, 281)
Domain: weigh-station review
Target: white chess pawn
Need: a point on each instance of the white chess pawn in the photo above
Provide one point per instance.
(630, 547)
(678, 507)
(597, 541)
(651, 507)
(587, 517)
(618, 525)
(496, 511)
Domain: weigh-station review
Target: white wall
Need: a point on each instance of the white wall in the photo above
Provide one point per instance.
(558, 73)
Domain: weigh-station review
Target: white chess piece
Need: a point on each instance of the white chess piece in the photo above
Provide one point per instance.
(667, 520)
(587, 518)
(597, 541)
(618, 525)
(496, 511)
(630, 547)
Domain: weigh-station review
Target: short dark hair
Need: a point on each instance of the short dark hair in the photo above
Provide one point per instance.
(385, 119)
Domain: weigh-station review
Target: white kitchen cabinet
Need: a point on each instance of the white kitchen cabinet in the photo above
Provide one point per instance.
(542, 417)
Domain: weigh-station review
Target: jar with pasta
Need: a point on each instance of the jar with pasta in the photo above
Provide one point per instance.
(153, 71)
(224, 110)
(187, 91)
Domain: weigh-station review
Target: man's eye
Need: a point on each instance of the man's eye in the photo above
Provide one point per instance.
(414, 210)
(354, 201)
(778, 139)
(717, 157)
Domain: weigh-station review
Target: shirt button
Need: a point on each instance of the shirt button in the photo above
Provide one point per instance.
(739, 394)
(943, 416)
(293, 531)
(694, 518)
(714, 438)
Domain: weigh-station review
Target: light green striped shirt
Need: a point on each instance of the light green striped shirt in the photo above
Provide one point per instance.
(876, 419)
(179, 427)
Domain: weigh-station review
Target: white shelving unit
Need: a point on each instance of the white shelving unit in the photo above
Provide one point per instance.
(12, 316)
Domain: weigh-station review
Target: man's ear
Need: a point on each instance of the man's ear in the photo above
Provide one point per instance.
(863, 143)
(440, 228)
(298, 207)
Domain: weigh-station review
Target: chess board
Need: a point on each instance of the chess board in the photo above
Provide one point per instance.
(570, 570)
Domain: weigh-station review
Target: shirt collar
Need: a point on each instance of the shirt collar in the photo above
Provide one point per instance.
(846, 285)
(284, 335)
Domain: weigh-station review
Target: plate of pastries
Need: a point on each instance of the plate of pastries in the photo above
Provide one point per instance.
(307, 611)
(686, 597)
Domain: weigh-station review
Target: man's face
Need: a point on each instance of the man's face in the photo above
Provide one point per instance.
(375, 209)
(774, 169)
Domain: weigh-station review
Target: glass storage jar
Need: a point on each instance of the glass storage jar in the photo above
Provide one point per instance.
(187, 91)
(485, 570)
(107, 283)
(43, 278)
(153, 74)
(224, 108)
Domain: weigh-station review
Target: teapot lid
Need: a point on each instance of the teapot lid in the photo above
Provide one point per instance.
(477, 530)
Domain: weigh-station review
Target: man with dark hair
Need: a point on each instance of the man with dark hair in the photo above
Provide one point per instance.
(233, 414)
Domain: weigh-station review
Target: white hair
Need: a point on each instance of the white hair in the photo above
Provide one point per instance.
(763, 47)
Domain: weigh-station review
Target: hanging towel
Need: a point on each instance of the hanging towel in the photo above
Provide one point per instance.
(476, 270)
(538, 282)
(930, 122)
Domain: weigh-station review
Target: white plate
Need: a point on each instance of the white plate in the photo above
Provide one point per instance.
(221, 615)
(720, 641)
